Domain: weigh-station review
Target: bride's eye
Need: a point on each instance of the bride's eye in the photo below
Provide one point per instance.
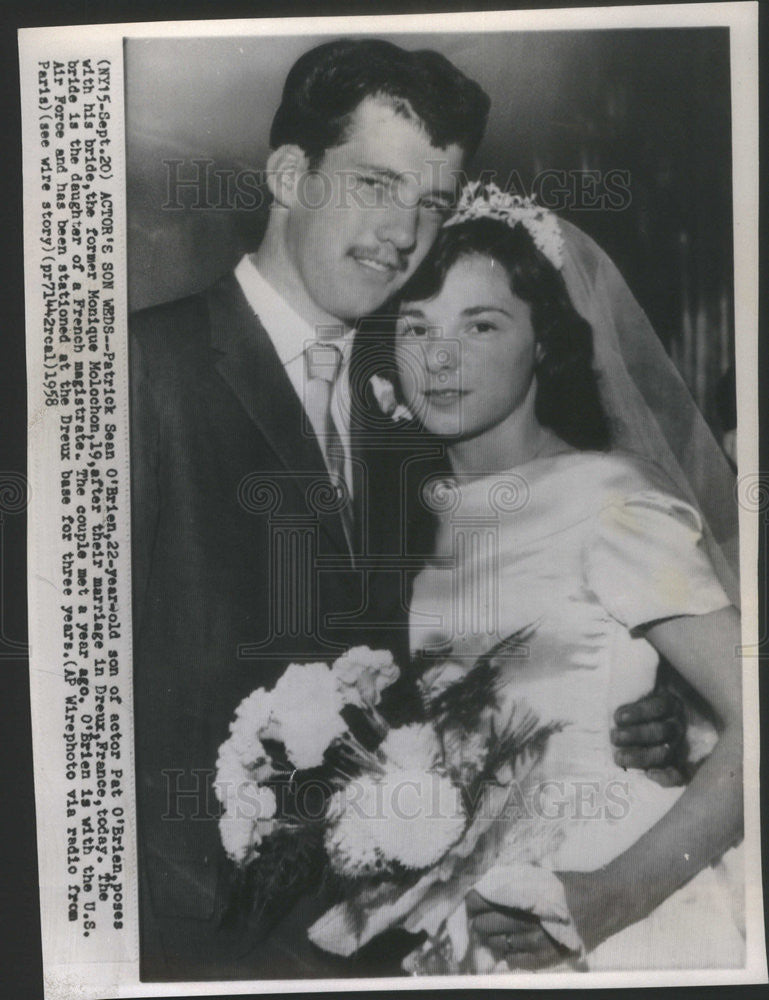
(482, 326)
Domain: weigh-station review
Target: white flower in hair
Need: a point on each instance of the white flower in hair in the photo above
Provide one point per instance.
(487, 201)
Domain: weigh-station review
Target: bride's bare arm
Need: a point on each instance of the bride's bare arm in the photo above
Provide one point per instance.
(706, 820)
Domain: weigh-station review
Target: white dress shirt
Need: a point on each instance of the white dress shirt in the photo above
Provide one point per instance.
(290, 334)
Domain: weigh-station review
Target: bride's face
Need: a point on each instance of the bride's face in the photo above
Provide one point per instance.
(466, 357)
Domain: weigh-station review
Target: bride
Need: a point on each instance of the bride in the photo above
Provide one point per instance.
(557, 522)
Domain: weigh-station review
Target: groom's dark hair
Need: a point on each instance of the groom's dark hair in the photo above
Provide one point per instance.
(326, 85)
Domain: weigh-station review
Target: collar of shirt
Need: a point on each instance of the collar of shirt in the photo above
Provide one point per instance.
(286, 329)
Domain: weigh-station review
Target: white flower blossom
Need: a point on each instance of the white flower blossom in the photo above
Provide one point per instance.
(230, 773)
(247, 745)
(414, 746)
(240, 837)
(384, 393)
(423, 817)
(254, 711)
(407, 816)
(305, 704)
(335, 806)
(248, 815)
(363, 674)
(349, 842)
(259, 803)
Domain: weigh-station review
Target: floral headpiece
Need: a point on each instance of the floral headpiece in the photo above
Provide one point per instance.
(487, 201)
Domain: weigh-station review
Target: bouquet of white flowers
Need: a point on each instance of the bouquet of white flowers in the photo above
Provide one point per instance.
(404, 819)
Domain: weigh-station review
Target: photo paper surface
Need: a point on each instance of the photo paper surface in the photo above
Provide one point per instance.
(393, 610)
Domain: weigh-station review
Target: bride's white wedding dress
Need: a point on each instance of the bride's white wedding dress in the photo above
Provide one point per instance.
(582, 550)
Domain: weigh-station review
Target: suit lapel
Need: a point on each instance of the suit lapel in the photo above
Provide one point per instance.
(397, 459)
(374, 438)
(249, 364)
(247, 361)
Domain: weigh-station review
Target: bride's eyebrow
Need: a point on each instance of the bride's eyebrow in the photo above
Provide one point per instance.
(475, 310)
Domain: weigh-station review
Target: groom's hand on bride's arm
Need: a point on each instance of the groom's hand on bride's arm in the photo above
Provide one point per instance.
(650, 734)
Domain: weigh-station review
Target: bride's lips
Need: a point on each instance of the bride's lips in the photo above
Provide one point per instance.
(444, 397)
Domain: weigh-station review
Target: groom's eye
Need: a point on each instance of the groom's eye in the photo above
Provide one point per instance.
(439, 206)
(375, 187)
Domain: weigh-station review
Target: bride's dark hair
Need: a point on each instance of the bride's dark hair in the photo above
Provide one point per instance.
(567, 398)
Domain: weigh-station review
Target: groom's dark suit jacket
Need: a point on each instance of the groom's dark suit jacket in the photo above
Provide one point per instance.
(240, 565)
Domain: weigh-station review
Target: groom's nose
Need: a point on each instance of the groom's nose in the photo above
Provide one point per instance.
(399, 226)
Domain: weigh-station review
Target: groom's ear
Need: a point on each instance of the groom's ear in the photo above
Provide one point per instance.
(284, 166)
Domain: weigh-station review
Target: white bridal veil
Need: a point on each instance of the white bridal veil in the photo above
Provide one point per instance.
(650, 408)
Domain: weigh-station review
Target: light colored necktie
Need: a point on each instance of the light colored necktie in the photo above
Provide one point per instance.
(323, 362)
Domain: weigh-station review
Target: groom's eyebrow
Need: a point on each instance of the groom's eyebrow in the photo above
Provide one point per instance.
(382, 171)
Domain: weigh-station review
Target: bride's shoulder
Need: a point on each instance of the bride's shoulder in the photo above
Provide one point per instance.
(612, 475)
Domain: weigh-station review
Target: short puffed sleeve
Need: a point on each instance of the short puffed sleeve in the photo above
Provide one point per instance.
(645, 560)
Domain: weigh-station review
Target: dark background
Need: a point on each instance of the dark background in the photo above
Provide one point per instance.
(20, 958)
(654, 104)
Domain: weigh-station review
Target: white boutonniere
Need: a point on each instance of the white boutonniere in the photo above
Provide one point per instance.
(384, 392)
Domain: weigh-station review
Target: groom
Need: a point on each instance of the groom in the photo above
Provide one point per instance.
(267, 503)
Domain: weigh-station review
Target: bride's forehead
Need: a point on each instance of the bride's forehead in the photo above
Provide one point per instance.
(469, 277)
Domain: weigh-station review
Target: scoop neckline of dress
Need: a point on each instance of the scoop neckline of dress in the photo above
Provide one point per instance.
(465, 481)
